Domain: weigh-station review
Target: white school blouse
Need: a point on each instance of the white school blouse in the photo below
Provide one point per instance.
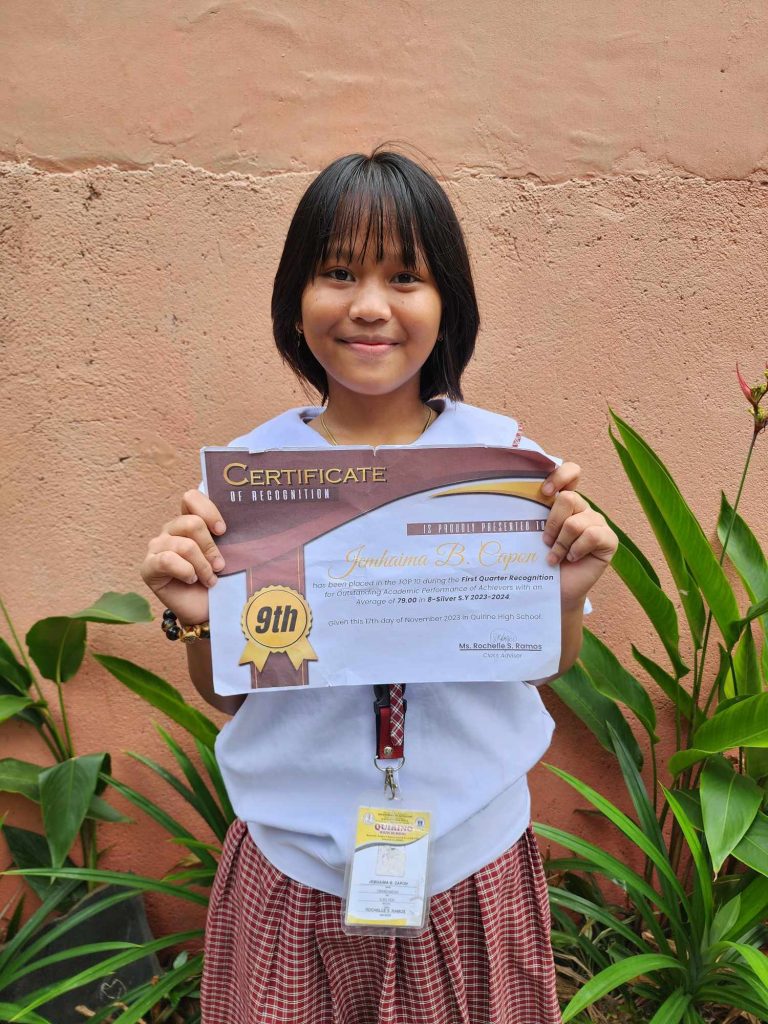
(296, 763)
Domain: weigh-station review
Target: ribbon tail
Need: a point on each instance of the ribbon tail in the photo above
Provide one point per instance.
(256, 653)
(301, 651)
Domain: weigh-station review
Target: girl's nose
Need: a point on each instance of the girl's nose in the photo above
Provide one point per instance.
(369, 302)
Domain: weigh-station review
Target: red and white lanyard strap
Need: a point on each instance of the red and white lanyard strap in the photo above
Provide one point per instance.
(390, 706)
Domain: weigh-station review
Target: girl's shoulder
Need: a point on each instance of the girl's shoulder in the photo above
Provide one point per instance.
(470, 424)
(287, 430)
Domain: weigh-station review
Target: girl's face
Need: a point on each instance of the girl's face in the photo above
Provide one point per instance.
(370, 325)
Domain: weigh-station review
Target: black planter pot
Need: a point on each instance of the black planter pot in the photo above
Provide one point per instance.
(123, 922)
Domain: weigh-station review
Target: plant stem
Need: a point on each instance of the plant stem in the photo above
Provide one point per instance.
(699, 676)
(53, 741)
(64, 719)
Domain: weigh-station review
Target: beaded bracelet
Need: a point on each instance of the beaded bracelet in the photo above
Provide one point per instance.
(187, 634)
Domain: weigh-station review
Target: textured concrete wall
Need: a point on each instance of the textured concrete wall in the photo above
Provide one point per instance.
(609, 162)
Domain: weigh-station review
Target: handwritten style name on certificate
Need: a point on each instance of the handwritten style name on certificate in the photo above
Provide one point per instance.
(359, 565)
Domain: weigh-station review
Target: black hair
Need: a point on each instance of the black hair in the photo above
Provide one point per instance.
(388, 198)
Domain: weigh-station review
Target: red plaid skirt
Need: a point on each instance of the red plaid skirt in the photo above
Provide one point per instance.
(275, 952)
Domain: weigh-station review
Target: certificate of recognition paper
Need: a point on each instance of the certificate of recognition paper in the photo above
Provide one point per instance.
(378, 565)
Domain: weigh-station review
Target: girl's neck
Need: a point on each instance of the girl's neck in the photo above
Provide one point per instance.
(373, 419)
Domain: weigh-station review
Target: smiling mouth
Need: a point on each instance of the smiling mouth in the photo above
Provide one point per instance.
(369, 348)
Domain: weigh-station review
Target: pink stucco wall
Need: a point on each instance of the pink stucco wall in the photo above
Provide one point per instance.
(609, 162)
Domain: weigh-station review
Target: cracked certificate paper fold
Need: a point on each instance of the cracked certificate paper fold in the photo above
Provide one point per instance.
(356, 566)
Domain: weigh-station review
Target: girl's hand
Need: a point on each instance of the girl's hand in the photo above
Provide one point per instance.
(182, 561)
(582, 544)
(564, 478)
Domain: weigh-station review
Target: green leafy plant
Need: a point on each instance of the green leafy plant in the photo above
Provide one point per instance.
(688, 933)
(197, 778)
(68, 791)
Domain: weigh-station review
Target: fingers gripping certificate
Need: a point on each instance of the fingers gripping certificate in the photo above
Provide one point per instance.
(360, 565)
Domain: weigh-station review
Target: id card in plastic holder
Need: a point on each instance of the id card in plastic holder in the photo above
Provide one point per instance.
(386, 890)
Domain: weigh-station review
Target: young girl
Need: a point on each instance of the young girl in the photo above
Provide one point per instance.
(374, 306)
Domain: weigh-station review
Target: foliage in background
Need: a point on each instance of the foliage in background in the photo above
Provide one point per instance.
(201, 786)
(687, 935)
(68, 791)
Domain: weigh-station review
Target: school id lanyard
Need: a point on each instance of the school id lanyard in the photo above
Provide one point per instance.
(389, 707)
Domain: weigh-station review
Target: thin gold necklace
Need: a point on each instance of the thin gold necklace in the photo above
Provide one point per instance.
(332, 439)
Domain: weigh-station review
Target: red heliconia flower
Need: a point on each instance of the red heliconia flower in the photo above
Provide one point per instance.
(753, 395)
(744, 386)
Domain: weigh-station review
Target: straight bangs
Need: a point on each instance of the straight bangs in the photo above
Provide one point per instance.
(388, 205)
(375, 213)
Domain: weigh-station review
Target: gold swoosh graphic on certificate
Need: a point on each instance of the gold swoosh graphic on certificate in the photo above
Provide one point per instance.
(529, 489)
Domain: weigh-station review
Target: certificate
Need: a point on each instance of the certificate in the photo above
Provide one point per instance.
(355, 566)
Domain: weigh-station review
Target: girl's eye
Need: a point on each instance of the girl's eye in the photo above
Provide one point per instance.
(407, 273)
(338, 270)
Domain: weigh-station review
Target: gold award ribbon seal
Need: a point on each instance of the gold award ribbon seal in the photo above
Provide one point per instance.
(276, 620)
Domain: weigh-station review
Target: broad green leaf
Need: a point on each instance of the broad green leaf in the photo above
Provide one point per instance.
(690, 801)
(673, 1008)
(627, 542)
(12, 670)
(20, 777)
(32, 714)
(616, 975)
(671, 686)
(755, 611)
(614, 681)
(745, 553)
(119, 609)
(576, 690)
(683, 759)
(100, 810)
(161, 695)
(743, 724)
(754, 907)
(729, 803)
(66, 791)
(753, 848)
(10, 706)
(57, 647)
(686, 529)
(703, 895)
(725, 918)
(634, 569)
(746, 665)
(30, 850)
(690, 595)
